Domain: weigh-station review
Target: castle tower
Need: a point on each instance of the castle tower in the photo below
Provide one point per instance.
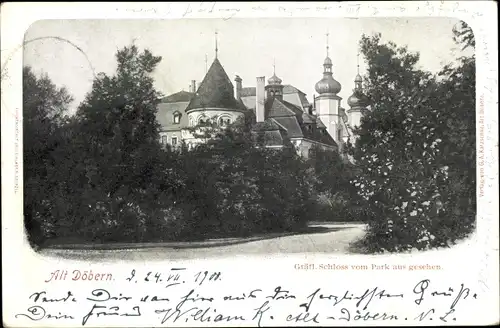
(357, 102)
(328, 102)
(274, 88)
(215, 100)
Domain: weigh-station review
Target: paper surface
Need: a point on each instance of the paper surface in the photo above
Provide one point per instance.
(456, 286)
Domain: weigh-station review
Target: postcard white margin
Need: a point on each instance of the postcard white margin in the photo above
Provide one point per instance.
(473, 262)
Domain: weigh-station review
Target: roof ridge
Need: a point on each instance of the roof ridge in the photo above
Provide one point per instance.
(278, 123)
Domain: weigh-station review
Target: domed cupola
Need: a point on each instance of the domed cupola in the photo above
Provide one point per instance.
(327, 85)
(274, 87)
(273, 80)
(358, 100)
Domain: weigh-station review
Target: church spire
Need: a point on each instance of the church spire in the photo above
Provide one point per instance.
(327, 45)
(327, 64)
(274, 80)
(358, 80)
(357, 59)
(216, 48)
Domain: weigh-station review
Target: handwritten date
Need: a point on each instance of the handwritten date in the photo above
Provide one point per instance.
(175, 276)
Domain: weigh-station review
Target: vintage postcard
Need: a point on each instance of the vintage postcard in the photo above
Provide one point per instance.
(250, 164)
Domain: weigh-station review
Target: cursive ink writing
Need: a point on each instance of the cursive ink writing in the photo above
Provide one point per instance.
(112, 311)
(102, 295)
(188, 302)
(154, 299)
(303, 317)
(280, 294)
(364, 316)
(366, 297)
(36, 297)
(370, 294)
(243, 297)
(36, 313)
(419, 289)
(201, 315)
(259, 312)
(423, 285)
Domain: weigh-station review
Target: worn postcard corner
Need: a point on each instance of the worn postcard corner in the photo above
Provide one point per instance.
(249, 164)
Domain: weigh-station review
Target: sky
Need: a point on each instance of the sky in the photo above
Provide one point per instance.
(75, 49)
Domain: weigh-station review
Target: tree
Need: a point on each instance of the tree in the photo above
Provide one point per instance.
(402, 151)
(44, 109)
(463, 35)
(123, 160)
(457, 93)
(336, 198)
(233, 188)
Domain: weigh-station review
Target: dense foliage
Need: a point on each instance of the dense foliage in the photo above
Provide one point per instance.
(107, 178)
(101, 175)
(416, 149)
(43, 115)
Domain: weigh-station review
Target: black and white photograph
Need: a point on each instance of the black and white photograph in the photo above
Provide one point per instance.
(207, 138)
(228, 164)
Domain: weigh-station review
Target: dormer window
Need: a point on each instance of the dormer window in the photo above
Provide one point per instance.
(177, 118)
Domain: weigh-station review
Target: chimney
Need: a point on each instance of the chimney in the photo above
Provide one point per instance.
(237, 91)
(193, 86)
(259, 99)
(310, 110)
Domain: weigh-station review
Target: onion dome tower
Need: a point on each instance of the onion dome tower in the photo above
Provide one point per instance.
(327, 85)
(357, 102)
(328, 102)
(274, 87)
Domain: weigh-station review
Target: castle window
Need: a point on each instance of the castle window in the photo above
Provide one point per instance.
(164, 140)
(177, 117)
(202, 120)
(174, 141)
(224, 121)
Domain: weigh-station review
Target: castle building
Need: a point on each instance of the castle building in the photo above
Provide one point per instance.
(283, 115)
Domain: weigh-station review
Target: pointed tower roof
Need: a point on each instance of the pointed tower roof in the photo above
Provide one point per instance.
(358, 100)
(215, 91)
